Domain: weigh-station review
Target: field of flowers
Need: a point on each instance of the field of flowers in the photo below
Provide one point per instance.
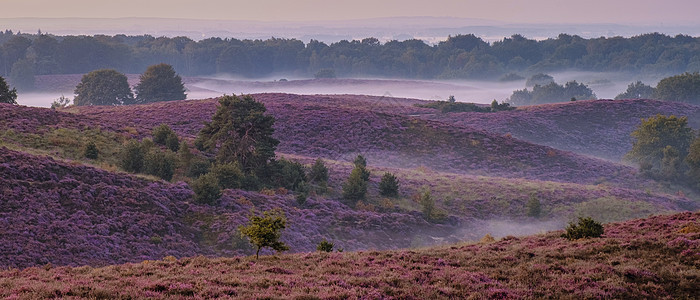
(657, 257)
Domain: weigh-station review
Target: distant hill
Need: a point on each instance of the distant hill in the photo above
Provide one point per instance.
(599, 128)
(656, 257)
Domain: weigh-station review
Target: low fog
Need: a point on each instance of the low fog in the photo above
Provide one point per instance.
(605, 86)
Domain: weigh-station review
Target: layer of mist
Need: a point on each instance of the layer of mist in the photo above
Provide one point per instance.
(605, 86)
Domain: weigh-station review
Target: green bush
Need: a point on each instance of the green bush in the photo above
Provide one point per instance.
(356, 187)
(206, 189)
(361, 164)
(91, 151)
(229, 175)
(389, 185)
(132, 157)
(172, 142)
(586, 228)
(302, 193)
(325, 246)
(534, 208)
(198, 166)
(159, 163)
(164, 135)
(430, 212)
(319, 172)
(289, 174)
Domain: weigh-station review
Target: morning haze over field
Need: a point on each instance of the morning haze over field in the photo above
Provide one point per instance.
(311, 149)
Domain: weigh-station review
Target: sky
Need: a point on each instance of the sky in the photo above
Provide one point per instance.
(650, 12)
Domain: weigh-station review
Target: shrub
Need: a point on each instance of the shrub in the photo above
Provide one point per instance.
(534, 209)
(172, 142)
(586, 228)
(161, 133)
(159, 163)
(325, 246)
(206, 189)
(430, 212)
(319, 172)
(229, 175)
(389, 185)
(132, 157)
(361, 163)
(356, 187)
(289, 174)
(302, 193)
(91, 151)
(264, 231)
(198, 167)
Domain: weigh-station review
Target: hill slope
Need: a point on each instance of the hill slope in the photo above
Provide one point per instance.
(315, 126)
(657, 257)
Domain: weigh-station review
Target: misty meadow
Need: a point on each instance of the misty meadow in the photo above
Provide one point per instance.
(358, 169)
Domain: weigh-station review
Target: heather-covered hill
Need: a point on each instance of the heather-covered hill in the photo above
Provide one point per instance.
(71, 214)
(600, 128)
(314, 126)
(657, 257)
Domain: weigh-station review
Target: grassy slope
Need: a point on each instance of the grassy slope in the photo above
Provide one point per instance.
(657, 257)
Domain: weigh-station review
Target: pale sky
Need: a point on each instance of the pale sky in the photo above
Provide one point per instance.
(668, 12)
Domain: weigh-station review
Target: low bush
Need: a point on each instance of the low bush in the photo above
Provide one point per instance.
(585, 228)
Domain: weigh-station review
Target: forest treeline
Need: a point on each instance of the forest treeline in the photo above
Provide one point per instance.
(460, 56)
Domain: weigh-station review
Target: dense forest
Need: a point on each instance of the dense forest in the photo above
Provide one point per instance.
(460, 56)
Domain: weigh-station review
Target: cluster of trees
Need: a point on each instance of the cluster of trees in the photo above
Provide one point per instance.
(551, 92)
(109, 87)
(7, 94)
(682, 88)
(451, 105)
(460, 56)
(667, 149)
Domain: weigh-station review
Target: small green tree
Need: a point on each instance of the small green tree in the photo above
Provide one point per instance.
(7, 95)
(319, 172)
(206, 189)
(91, 151)
(389, 185)
(355, 188)
(103, 87)
(159, 163)
(161, 133)
(159, 83)
(430, 212)
(325, 246)
(586, 228)
(534, 208)
(361, 163)
(132, 155)
(264, 231)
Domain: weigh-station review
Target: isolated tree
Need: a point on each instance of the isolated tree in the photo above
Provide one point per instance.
(389, 185)
(637, 90)
(653, 138)
(7, 95)
(159, 83)
(355, 187)
(103, 87)
(325, 246)
(430, 212)
(264, 231)
(240, 131)
(681, 88)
